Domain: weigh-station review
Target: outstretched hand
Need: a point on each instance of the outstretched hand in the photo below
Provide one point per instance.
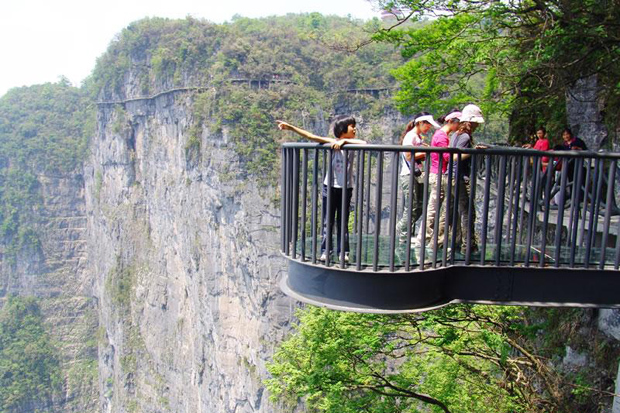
(283, 125)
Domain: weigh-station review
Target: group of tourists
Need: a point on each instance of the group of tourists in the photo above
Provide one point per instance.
(455, 130)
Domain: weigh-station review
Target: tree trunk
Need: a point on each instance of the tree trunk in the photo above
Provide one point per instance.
(583, 112)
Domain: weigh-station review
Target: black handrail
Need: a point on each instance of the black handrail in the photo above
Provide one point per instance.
(525, 215)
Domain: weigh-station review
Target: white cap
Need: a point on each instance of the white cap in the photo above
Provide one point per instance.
(472, 113)
(454, 115)
(429, 119)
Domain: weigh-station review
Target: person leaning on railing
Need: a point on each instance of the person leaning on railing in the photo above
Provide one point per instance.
(345, 132)
(413, 136)
(440, 139)
(471, 117)
(541, 144)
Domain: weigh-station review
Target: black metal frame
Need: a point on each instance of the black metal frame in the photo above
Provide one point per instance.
(510, 190)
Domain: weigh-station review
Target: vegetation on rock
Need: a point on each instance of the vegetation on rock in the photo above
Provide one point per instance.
(29, 368)
(456, 359)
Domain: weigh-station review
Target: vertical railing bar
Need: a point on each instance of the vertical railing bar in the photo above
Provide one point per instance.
(315, 205)
(287, 197)
(499, 218)
(533, 210)
(608, 203)
(591, 229)
(427, 169)
(327, 231)
(304, 201)
(344, 195)
(515, 220)
(437, 212)
(586, 193)
(575, 201)
(375, 258)
(526, 168)
(470, 209)
(599, 199)
(357, 190)
(283, 201)
(617, 261)
(367, 242)
(485, 209)
(446, 212)
(455, 205)
(410, 224)
(577, 174)
(545, 223)
(393, 212)
(295, 215)
(511, 192)
(360, 206)
(368, 200)
(560, 219)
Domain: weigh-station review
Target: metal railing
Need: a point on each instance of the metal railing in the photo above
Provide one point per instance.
(525, 214)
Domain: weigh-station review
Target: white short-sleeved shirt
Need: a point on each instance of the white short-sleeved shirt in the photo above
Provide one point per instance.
(410, 139)
(338, 169)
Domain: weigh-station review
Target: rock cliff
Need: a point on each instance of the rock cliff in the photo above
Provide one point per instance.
(185, 265)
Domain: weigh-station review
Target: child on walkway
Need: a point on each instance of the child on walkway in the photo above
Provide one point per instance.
(345, 133)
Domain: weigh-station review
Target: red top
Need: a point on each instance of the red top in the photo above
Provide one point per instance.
(542, 145)
(440, 140)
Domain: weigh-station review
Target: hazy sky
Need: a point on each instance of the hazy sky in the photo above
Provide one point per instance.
(41, 40)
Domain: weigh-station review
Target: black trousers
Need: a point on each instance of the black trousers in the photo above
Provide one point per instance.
(336, 210)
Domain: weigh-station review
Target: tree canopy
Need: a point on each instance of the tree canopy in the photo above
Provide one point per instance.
(29, 366)
(527, 53)
(457, 359)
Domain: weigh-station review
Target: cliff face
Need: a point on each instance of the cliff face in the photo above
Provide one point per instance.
(185, 262)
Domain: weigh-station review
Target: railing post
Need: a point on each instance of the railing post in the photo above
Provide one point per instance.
(344, 208)
(315, 204)
(608, 207)
(546, 204)
(393, 210)
(304, 201)
(375, 258)
(359, 208)
(427, 166)
(327, 230)
(295, 214)
(499, 217)
(283, 200)
(560, 220)
(485, 209)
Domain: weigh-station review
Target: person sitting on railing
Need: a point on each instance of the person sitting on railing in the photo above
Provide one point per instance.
(471, 117)
(542, 144)
(440, 139)
(413, 136)
(345, 132)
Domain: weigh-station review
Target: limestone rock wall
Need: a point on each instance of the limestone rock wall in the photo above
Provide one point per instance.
(186, 264)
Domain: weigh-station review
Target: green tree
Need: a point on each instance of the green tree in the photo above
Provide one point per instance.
(29, 368)
(528, 54)
(457, 359)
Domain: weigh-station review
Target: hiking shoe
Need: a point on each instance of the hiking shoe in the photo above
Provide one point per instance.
(323, 257)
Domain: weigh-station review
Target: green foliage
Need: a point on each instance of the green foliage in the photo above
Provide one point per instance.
(29, 366)
(43, 131)
(456, 359)
(525, 55)
(119, 285)
(253, 71)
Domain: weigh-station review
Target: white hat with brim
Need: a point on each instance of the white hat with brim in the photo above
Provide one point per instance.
(429, 119)
(472, 113)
